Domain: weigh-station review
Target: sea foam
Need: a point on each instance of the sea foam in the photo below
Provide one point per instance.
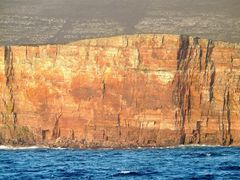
(3, 147)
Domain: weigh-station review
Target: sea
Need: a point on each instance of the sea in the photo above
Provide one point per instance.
(182, 162)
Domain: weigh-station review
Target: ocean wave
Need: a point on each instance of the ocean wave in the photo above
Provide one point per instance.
(127, 173)
(8, 147)
(199, 145)
(58, 148)
(143, 172)
(4, 147)
(182, 146)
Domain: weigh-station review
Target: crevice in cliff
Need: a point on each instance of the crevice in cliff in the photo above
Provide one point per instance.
(56, 54)
(8, 66)
(163, 39)
(183, 50)
(9, 116)
(44, 134)
(212, 79)
(226, 115)
(210, 69)
(119, 124)
(208, 81)
(210, 47)
(198, 52)
(196, 41)
(195, 139)
(56, 129)
(182, 90)
(72, 134)
(138, 59)
(103, 88)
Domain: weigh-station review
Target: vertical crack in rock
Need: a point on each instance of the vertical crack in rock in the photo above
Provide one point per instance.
(57, 49)
(163, 38)
(212, 79)
(44, 134)
(72, 134)
(119, 124)
(210, 63)
(182, 90)
(8, 68)
(198, 132)
(209, 67)
(183, 50)
(103, 88)
(226, 115)
(10, 116)
(195, 138)
(138, 59)
(210, 47)
(56, 129)
(198, 52)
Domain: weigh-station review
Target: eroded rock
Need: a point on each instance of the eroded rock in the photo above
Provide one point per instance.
(124, 91)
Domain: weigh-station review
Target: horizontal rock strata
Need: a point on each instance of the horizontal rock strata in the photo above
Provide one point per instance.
(124, 91)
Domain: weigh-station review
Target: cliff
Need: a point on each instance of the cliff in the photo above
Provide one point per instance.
(124, 91)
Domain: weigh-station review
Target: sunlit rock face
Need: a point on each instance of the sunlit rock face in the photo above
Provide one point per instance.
(124, 91)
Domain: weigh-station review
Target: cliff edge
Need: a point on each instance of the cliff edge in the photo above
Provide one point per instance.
(123, 91)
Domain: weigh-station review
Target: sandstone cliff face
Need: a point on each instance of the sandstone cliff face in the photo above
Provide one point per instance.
(139, 90)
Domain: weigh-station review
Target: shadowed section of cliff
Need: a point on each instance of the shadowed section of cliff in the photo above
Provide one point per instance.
(62, 21)
(123, 91)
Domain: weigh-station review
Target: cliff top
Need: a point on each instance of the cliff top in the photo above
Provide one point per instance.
(148, 40)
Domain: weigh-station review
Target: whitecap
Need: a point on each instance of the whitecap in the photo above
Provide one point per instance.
(199, 145)
(59, 148)
(125, 172)
(3, 147)
(208, 154)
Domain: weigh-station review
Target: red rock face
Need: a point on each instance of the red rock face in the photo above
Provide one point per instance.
(140, 90)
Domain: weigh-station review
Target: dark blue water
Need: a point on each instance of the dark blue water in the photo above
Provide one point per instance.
(161, 163)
